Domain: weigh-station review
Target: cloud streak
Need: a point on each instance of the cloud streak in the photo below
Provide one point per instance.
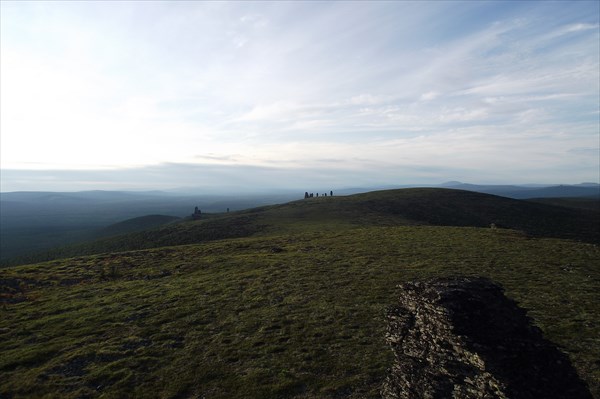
(461, 87)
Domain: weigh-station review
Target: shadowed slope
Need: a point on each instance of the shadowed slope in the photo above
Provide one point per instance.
(136, 224)
(443, 207)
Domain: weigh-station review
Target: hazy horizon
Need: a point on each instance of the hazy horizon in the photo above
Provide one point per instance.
(294, 95)
(67, 182)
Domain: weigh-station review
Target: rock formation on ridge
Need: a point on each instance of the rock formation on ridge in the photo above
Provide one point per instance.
(462, 338)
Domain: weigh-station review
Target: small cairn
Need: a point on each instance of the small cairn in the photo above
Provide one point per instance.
(197, 215)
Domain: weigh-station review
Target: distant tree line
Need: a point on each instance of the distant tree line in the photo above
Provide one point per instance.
(311, 195)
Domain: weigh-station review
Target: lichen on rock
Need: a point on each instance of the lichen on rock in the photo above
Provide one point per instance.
(462, 338)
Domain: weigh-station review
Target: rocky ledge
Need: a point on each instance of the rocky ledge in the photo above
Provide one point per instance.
(462, 338)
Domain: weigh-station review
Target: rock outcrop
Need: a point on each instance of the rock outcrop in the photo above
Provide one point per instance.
(462, 338)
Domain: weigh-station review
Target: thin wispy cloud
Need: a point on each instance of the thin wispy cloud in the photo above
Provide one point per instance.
(478, 91)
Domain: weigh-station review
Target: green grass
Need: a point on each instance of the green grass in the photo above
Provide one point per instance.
(294, 312)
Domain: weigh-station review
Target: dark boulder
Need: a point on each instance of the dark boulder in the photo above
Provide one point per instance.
(462, 338)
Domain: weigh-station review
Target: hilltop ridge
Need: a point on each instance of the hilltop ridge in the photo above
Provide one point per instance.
(32, 222)
(400, 207)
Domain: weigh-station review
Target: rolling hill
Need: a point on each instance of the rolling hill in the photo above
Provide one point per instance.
(588, 203)
(412, 206)
(136, 224)
(590, 190)
(37, 221)
(285, 301)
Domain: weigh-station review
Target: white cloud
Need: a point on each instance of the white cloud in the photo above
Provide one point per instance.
(273, 112)
(255, 20)
(430, 95)
(571, 28)
(368, 99)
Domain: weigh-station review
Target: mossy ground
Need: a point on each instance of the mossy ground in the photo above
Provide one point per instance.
(297, 314)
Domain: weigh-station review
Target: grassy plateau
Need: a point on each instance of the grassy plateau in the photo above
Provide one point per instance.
(285, 301)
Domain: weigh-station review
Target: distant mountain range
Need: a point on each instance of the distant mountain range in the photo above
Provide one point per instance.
(531, 191)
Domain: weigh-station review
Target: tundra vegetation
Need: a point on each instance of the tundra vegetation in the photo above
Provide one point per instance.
(287, 300)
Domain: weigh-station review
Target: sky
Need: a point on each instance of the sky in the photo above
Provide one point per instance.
(160, 95)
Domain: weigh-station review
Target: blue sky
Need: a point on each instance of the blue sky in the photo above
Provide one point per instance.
(100, 95)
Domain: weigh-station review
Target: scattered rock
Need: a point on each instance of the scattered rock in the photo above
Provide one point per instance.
(462, 338)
